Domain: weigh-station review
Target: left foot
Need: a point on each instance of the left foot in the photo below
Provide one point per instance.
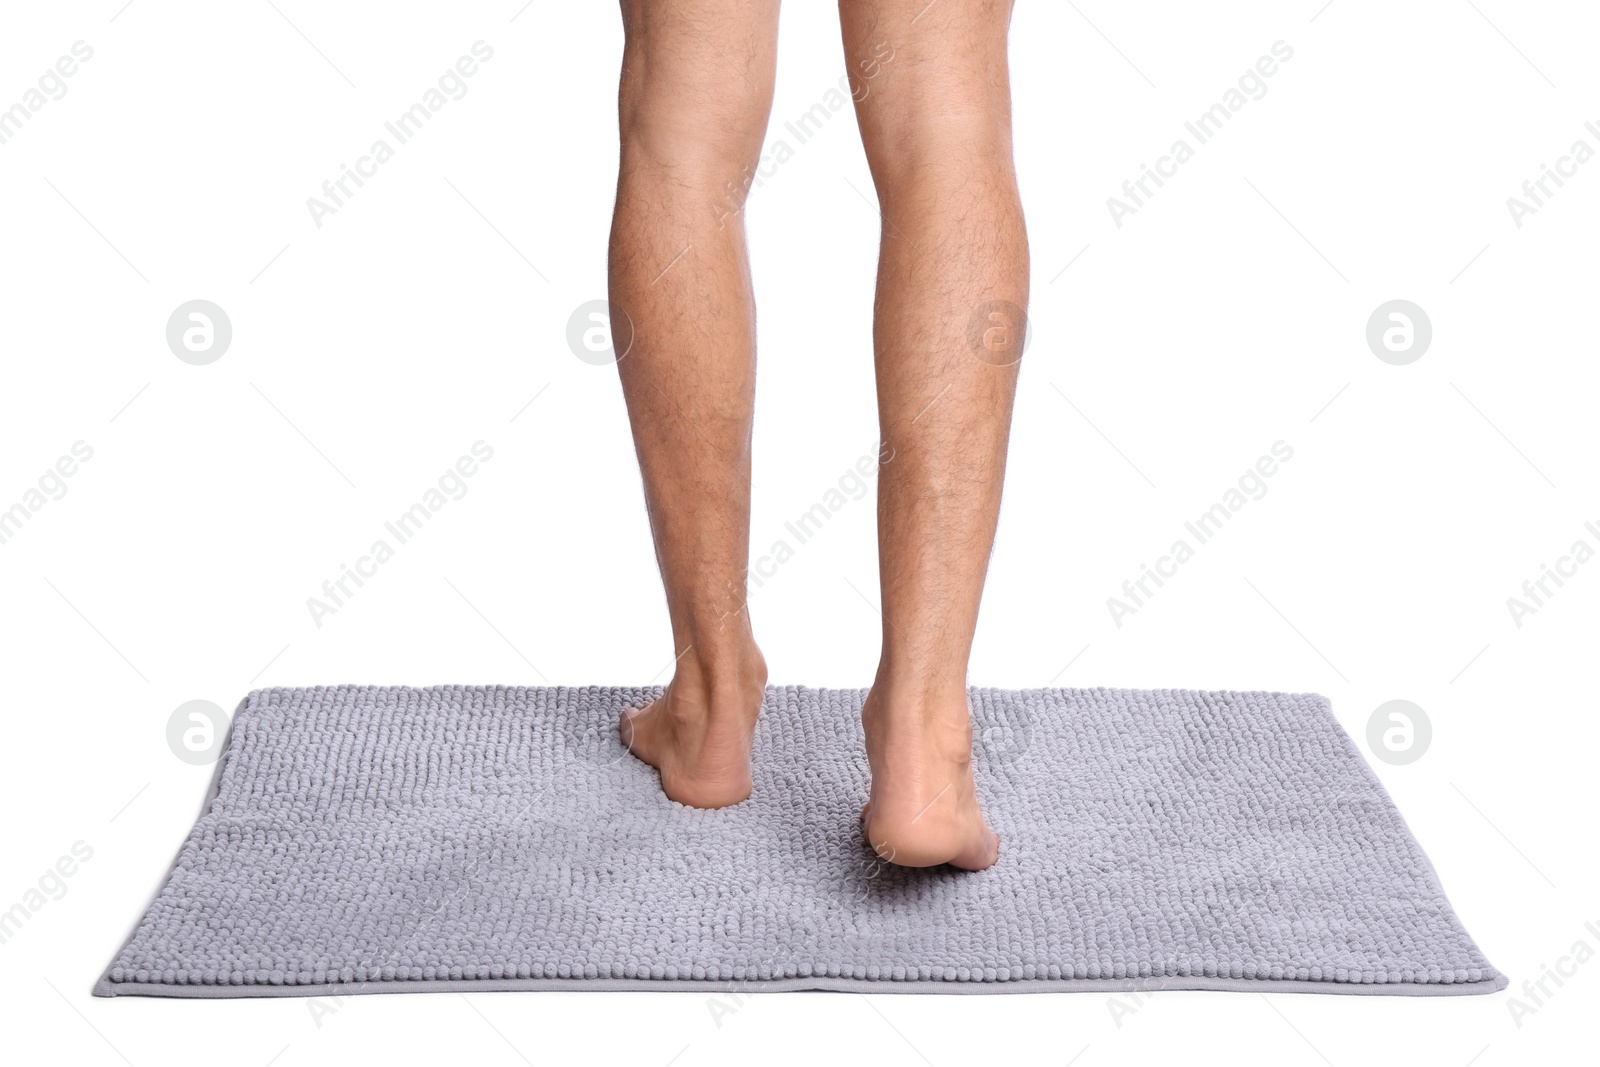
(698, 733)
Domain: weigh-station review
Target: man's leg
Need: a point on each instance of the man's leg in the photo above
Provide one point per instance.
(933, 100)
(696, 90)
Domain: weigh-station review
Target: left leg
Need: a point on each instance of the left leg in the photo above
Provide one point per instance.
(695, 92)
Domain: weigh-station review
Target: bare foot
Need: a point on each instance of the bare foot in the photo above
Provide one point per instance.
(698, 733)
(923, 808)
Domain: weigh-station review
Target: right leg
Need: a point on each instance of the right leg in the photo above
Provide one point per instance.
(696, 91)
(934, 103)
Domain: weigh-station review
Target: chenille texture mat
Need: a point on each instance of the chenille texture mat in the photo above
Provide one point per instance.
(373, 840)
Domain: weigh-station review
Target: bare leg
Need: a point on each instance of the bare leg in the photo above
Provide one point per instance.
(933, 99)
(696, 91)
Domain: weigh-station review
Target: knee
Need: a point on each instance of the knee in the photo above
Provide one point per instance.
(939, 135)
(689, 142)
(692, 119)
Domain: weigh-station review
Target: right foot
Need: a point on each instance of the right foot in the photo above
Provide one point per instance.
(698, 733)
(923, 808)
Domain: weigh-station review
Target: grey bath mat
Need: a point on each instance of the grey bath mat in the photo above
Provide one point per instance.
(373, 840)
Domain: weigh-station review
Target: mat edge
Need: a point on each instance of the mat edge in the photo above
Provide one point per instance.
(213, 790)
(109, 989)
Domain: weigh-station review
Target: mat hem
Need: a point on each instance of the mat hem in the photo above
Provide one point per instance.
(106, 988)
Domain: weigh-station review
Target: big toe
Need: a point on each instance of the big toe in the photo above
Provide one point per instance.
(633, 729)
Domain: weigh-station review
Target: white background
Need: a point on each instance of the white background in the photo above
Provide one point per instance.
(1227, 314)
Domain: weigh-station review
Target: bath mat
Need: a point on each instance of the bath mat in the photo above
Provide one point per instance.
(371, 840)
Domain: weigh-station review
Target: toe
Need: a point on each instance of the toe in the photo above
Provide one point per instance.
(632, 729)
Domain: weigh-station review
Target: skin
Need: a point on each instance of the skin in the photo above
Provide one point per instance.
(932, 98)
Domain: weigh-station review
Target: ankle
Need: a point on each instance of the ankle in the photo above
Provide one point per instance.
(913, 688)
(721, 677)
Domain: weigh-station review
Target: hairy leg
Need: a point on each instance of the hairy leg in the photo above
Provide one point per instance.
(695, 94)
(933, 100)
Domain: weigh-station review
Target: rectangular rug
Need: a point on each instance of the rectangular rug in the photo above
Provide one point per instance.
(372, 840)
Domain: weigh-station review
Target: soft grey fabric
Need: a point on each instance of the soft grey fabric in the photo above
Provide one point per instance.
(364, 839)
